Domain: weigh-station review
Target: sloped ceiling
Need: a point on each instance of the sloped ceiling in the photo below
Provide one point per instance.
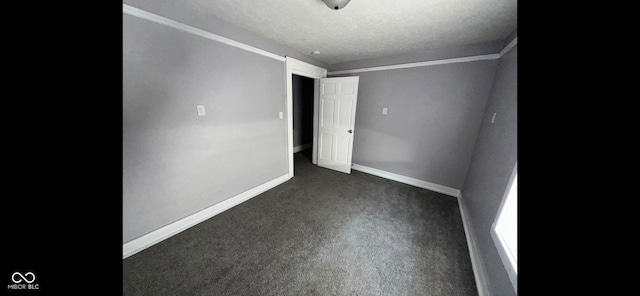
(368, 28)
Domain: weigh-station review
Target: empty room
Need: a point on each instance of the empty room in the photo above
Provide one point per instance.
(312, 147)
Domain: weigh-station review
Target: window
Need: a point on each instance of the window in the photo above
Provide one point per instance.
(505, 229)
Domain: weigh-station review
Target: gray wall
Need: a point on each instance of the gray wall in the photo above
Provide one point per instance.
(185, 13)
(302, 110)
(424, 55)
(494, 157)
(434, 115)
(176, 163)
(510, 38)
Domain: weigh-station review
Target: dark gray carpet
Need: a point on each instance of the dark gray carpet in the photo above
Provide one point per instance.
(365, 236)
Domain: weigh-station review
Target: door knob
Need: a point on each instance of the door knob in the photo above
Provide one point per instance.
(351, 131)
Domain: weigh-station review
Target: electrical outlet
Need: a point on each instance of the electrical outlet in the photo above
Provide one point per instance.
(201, 110)
(384, 110)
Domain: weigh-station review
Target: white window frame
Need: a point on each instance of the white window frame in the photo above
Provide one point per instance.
(509, 261)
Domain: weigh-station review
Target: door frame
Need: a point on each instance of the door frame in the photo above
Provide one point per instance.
(301, 68)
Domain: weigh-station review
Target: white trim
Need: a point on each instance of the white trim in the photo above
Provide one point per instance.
(476, 261)
(316, 100)
(407, 180)
(420, 64)
(299, 148)
(130, 10)
(156, 236)
(434, 62)
(477, 264)
(298, 67)
(509, 46)
(498, 240)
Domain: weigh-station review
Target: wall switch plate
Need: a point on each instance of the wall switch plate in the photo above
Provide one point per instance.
(281, 115)
(384, 110)
(201, 110)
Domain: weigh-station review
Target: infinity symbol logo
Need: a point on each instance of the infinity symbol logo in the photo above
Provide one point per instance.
(23, 277)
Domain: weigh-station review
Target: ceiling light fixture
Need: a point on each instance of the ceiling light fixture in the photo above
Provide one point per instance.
(336, 4)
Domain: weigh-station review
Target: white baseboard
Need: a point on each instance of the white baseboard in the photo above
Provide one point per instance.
(476, 261)
(301, 147)
(407, 180)
(156, 236)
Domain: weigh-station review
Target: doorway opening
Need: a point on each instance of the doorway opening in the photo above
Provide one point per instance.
(303, 105)
(300, 68)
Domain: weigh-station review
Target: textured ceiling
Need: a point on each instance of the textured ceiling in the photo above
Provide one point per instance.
(368, 28)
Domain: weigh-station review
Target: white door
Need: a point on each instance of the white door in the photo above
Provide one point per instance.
(336, 121)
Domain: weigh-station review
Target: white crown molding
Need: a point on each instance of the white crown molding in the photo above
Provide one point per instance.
(434, 62)
(420, 64)
(133, 11)
(130, 10)
(509, 46)
(158, 235)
